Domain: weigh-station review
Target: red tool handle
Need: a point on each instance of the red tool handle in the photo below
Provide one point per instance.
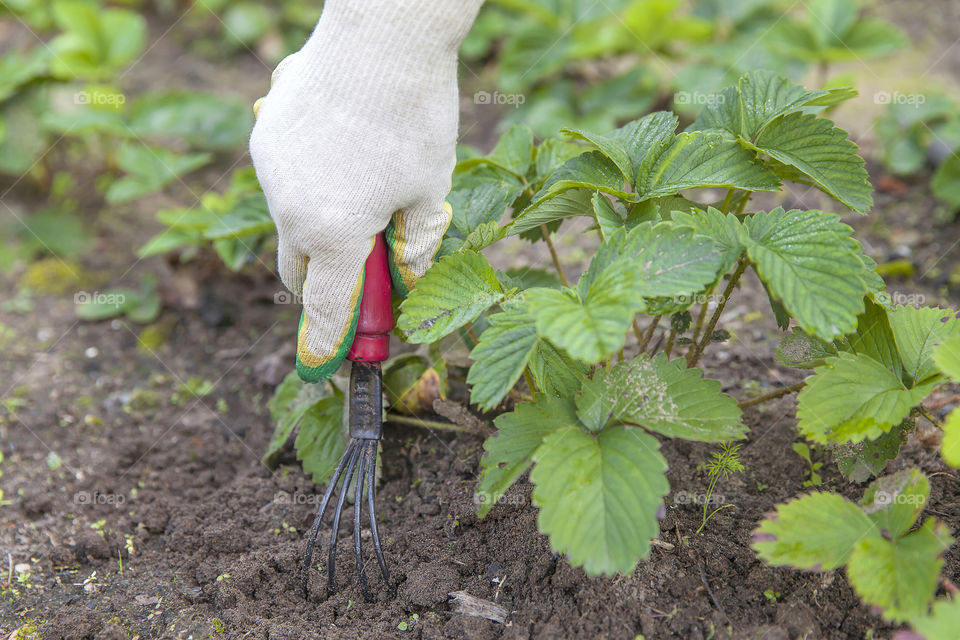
(372, 340)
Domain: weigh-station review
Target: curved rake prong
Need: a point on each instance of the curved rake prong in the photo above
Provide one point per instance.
(371, 483)
(357, 510)
(308, 555)
(332, 557)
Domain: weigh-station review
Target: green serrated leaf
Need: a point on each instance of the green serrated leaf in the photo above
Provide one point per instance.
(599, 496)
(918, 332)
(822, 153)
(608, 219)
(453, 292)
(660, 260)
(481, 195)
(810, 263)
(554, 372)
(509, 453)
(853, 397)
(590, 328)
(858, 462)
(482, 236)
(818, 531)
(875, 338)
(722, 228)
(513, 152)
(663, 396)
(591, 170)
(947, 358)
(764, 96)
(941, 624)
(894, 502)
(800, 350)
(627, 146)
(950, 445)
(552, 154)
(320, 443)
(530, 278)
(290, 401)
(700, 159)
(501, 356)
(284, 395)
(900, 576)
(759, 98)
(576, 202)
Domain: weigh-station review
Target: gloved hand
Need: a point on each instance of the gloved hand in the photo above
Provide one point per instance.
(358, 132)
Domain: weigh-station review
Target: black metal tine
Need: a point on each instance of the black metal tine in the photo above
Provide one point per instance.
(357, 510)
(308, 556)
(332, 557)
(371, 483)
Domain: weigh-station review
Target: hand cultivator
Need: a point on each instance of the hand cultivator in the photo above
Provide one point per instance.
(371, 346)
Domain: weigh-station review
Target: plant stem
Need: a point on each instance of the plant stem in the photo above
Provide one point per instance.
(706, 502)
(529, 379)
(433, 424)
(726, 201)
(649, 334)
(703, 313)
(713, 513)
(693, 356)
(637, 331)
(553, 255)
(472, 334)
(743, 204)
(670, 339)
(929, 416)
(770, 396)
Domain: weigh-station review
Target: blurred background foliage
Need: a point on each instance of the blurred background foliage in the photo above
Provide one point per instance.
(82, 132)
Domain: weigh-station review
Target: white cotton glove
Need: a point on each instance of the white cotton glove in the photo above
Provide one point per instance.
(357, 132)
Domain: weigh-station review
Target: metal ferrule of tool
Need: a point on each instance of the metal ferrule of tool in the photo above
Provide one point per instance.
(371, 346)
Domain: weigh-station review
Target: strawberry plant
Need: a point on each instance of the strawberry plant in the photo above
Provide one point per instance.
(889, 565)
(580, 387)
(596, 399)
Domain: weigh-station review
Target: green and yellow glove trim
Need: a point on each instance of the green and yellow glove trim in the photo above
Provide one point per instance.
(314, 368)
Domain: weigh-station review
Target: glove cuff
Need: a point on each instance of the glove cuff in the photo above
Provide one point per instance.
(411, 36)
